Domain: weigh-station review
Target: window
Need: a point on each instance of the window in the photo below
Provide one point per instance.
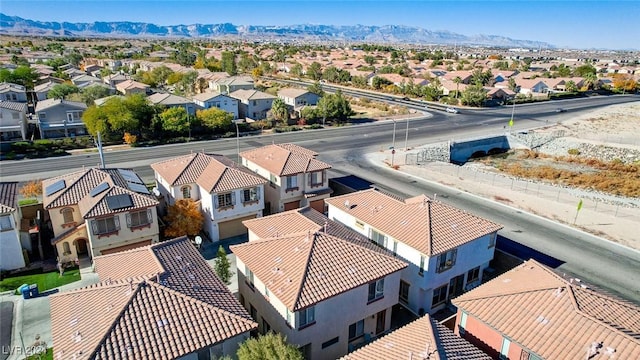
(273, 180)
(250, 194)
(288, 317)
(186, 192)
(106, 225)
(473, 275)
(376, 290)
(73, 116)
(292, 182)
(66, 249)
(242, 299)
(42, 116)
(225, 200)
(67, 215)
(504, 349)
(423, 259)
(265, 326)
(326, 344)
(248, 274)
(379, 238)
(359, 224)
(307, 317)
(316, 178)
(463, 320)
(253, 311)
(439, 295)
(255, 103)
(266, 292)
(404, 292)
(446, 260)
(139, 218)
(356, 330)
(492, 239)
(395, 248)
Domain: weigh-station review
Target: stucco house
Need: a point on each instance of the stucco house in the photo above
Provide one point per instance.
(227, 85)
(532, 313)
(162, 301)
(297, 98)
(321, 291)
(253, 104)
(129, 87)
(170, 100)
(13, 120)
(296, 177)
(447, 248)
(531, 86)
(43, 89)
(60, 118)
(11, 256)
(99, 211)
(227, 193)
(208, 100)
(13, 92)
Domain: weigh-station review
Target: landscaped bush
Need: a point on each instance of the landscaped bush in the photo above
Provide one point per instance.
(573, 152)
(287, 129)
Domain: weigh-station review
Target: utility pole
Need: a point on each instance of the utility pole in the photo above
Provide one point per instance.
(100, 152)
(406, 137)
(237, 140)
(393, 145)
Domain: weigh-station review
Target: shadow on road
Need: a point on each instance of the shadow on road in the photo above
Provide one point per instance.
(525, 253)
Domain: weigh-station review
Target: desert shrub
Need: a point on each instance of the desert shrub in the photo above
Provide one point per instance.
(573, 152)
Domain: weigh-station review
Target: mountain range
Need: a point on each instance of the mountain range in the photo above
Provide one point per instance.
(396, 34)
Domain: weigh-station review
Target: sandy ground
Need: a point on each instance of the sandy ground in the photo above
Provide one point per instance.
(613, 222)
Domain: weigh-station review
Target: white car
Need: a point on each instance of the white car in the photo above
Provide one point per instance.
(452, 110)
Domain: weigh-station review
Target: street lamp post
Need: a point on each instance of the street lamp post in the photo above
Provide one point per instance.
(406, 137)
(393, 143)
(237, 140)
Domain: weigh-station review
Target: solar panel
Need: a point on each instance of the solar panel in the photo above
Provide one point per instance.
(99, 189)
(139, 188)
(116, 202)
(55, 187)
(130, 176)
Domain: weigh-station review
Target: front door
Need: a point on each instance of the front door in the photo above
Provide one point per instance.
(381, 321)
(81, 246)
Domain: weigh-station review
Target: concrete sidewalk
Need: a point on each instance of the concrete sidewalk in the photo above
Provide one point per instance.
(32, 317)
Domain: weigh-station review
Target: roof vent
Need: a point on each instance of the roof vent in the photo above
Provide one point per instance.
(347, 204)
(584, 286)
(506, 280)
(610, 350)
(542, 320)
(77, 337)
(278, 259)
(162, 322)
(558, 291)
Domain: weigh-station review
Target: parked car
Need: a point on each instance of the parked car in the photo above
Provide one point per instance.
(406, 98)
(452, 110)
(560, 110)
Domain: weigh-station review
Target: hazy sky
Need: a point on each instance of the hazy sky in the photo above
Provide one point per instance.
(576, 23)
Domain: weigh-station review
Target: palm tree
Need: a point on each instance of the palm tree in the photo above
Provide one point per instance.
(591, 81)
(280, 110)
(457, 80)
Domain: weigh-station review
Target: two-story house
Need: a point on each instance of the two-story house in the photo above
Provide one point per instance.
(170, 100)
(60, 118)
(99, 211)
(227, 193)
(295, 177)
(423, 338)
(129, 87)
(41, 91)
(298, 98)
(447, 248)
(253, 104)
(227, 85)
(13, 92)
(13, 120)
(534, 313)
(11, 255)
(161, 301)
(217, 100)
(322, 292)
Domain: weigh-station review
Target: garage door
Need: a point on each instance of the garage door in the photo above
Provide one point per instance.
(291, 205)
(233, 228)
(125, 247)
(318, 205)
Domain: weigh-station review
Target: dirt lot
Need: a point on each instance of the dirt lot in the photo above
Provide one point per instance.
(608, 134)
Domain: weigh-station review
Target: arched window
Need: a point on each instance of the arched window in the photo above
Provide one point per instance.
(67, 215)
(186, 192)
(65, 248)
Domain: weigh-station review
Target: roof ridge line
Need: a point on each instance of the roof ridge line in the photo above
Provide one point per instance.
(306, 269)
(67, 187)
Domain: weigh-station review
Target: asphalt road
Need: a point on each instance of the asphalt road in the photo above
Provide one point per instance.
(590, 258)
(6, 325)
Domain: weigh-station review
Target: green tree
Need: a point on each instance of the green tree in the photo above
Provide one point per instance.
(215, 119)
(24, 75)
(96, 120)
(316, 88)
(296, 70)
(62, 91)
(229, 63)
(512, 85)
(280, 111)
(379, 82)
(335, 107)
(584, 70)
(89, 94)
(270, 346)
(591, 81)
(222, 266)
(314, 71)
(457, 80)
(119, 115)
(175, 120)
(369, 60)
(474, 95)
(571, 86)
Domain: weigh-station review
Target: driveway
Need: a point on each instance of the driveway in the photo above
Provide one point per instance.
(6, 324)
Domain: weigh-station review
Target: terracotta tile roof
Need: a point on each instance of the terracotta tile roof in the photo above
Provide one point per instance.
(292, 92)
(133, 263)
(246, 95)
(303, 269)
(215, 173)
(553, 317)
(143, 318)
(421, 339)
(428, 226)
(285, 159)
(8, 197)
(78, 186)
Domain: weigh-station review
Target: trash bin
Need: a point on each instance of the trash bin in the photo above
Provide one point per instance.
(33, 291)
(24, 290)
